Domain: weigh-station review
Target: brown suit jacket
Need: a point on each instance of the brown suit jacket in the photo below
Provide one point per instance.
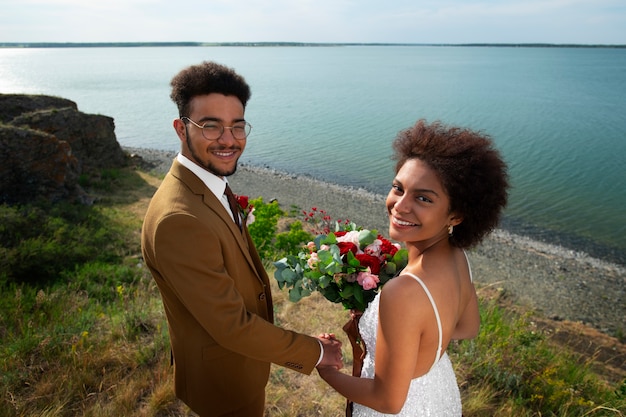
(217, 300)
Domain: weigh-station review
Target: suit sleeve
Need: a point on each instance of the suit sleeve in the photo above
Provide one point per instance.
(207, 271)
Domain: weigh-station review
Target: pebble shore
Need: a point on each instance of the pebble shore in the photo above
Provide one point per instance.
(556, 283)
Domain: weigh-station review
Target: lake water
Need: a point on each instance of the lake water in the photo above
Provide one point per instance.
(558, 115)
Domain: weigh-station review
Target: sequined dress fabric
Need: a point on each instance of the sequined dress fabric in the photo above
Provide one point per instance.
(434, 394)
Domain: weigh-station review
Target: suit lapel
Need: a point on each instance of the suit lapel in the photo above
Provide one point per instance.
(212, 202)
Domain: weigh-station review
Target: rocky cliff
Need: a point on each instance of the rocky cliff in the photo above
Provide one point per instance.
(47, 144)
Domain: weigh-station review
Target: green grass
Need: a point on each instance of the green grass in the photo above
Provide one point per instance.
(83, 332)
(520, 369)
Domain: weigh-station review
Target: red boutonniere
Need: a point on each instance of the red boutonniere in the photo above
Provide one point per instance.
(246, 208)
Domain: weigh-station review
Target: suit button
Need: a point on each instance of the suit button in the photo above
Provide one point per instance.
(262, 296)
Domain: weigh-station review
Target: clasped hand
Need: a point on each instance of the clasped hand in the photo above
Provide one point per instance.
(333, 356)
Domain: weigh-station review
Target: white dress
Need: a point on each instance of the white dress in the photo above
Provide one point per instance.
(435, 393)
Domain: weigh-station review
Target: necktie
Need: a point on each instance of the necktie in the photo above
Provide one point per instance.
(234, 206)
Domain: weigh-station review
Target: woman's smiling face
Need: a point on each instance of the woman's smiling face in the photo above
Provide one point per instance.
(418, 205)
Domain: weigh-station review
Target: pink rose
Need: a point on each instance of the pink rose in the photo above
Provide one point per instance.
(313, 260)
(367, 280)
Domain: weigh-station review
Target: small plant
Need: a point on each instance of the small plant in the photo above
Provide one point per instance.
(321, 223)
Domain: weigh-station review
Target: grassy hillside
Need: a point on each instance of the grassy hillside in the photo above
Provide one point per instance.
(83, 332)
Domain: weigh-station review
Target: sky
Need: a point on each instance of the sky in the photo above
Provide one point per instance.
(318, 21)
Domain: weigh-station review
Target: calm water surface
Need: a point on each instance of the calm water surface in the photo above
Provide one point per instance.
(558, 115)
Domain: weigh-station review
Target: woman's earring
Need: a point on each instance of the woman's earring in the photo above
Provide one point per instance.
(450, 230)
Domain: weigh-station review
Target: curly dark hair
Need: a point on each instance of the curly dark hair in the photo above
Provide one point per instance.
(470, 169)
(206, 78)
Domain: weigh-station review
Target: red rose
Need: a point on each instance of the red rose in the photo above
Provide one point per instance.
(339, 234)
(242, 200)
(368, 260)
(344, 247)
(387, 246)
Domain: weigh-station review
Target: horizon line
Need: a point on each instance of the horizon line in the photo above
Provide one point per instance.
(288, 43)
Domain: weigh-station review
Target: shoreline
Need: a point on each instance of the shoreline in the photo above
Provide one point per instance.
(557, 243)
(559, 283)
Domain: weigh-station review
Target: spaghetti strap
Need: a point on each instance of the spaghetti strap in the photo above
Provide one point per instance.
(469, 267)
(432, 302)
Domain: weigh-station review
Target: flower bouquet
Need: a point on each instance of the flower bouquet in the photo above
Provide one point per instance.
(347, 266)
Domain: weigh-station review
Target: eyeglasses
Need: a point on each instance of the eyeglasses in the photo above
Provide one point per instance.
(214, 130)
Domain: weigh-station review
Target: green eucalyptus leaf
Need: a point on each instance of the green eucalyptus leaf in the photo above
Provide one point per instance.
(294, 295)
(281, 264)
(324, 281)
(401, 258)
(329, 239)
(366, 237)
(288, 275)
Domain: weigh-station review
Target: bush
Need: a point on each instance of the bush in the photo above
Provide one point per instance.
(270, 244)
(292, 241)
(263, 229)
(37, 242)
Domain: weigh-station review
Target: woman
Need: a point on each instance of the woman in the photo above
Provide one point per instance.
(449, 190)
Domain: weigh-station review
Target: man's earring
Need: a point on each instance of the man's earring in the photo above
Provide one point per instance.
(450, 230)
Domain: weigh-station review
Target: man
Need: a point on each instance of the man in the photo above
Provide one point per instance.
(215, 291)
